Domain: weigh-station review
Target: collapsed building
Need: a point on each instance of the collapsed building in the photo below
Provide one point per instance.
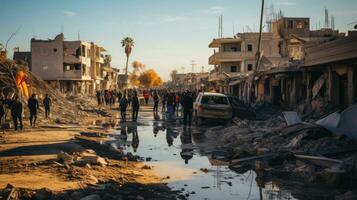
(299, 66)
(74, 67)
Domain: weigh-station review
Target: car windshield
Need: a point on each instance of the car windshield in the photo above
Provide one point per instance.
(214, 100)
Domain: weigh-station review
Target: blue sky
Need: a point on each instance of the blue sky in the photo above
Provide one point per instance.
(168, 34)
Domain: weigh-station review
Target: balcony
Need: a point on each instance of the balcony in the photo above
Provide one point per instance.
(231, 56)
(99, 59)
(72, 75)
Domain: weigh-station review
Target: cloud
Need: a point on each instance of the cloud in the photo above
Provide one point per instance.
(173, 18)
(69, 13)
(287, 3)
(214, 10)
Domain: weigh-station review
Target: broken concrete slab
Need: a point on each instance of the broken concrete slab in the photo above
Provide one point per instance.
(291, 118)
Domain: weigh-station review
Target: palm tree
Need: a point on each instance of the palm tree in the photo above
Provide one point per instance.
(128, 43)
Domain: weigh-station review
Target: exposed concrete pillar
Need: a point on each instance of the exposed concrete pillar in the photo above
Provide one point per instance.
(351, 84)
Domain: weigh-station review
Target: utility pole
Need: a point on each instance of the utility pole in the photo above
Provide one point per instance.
(257, 55)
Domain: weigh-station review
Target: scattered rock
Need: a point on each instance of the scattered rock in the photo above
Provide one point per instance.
(205, 170)
(146, 167)
(93, 160)
(65, 158)
(92, 180)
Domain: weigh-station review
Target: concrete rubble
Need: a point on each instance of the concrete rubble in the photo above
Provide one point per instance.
(322, 152)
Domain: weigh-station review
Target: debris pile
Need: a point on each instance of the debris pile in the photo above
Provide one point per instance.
(108, 190)
(307, 152)
(64, 109)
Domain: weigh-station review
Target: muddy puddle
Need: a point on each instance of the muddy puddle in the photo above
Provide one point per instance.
(182, 158)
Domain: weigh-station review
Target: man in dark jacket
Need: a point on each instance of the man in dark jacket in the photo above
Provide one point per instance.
(47, 102)
(135, 106)
(16, 112)
(32, 104)
(187, 105)
(123, 104)
(156, 102)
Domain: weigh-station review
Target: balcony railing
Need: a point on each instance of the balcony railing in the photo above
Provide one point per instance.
(231, 56)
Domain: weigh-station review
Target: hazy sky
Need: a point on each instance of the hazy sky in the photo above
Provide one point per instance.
(168, 34)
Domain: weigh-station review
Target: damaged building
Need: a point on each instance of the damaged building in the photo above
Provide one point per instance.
(234, 60)
(299, 66)
(331, 69)
(71, 66)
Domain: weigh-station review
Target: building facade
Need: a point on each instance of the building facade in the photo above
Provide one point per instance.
(299, 66)
(71, 66)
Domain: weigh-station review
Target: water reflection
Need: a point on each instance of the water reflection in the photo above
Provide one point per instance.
(186, 145)
(157, 127)
(182, 154)
(171, 134)
(135, 138)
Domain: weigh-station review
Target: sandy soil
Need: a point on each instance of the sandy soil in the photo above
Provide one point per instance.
(28, 159)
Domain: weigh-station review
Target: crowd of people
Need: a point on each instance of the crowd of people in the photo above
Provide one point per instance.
(171, 103)
(15, 106)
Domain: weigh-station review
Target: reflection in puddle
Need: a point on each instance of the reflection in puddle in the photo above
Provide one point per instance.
(176, 154)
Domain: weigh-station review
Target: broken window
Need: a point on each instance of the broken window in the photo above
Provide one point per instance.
(300, 25)
(249, 67)
(233, 68)
(250, 47)
(290, 24)
(213, 100)
(77, 66)
(78, 52)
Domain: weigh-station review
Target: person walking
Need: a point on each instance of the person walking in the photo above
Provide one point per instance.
(156, 102)
(47, 102)
(135, 105)
(163, 100)
(146, 96)
(32, 104)
(187, 108)
(123, 104)
(16, 112)
(177, 102)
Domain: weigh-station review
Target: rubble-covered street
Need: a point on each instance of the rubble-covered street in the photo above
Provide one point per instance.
(178, 100)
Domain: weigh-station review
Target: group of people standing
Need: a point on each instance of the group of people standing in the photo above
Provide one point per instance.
(107, 97)
(15, 106)
(125, 101)
(171, 102)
